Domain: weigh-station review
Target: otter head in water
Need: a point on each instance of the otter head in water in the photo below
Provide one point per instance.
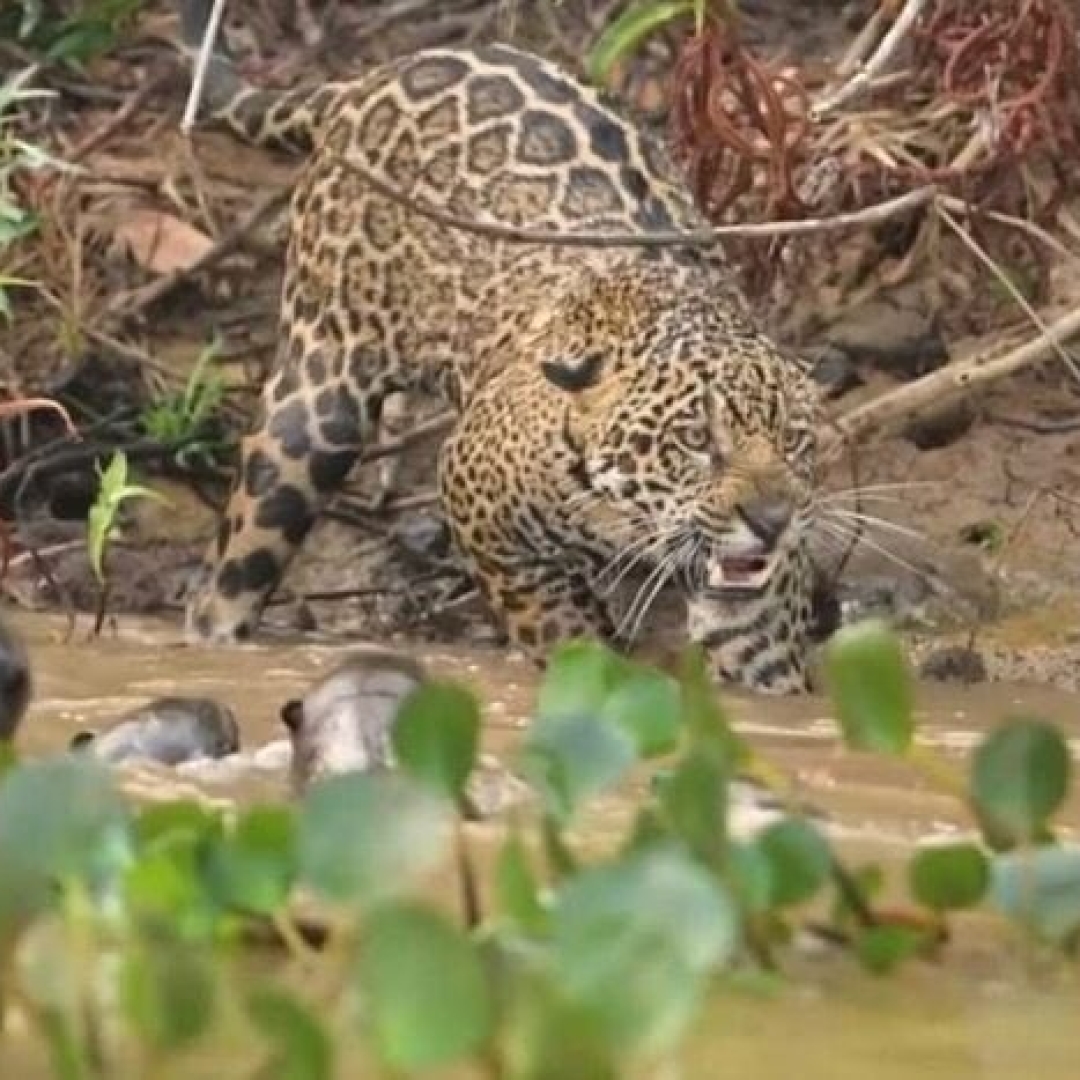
(343, 723)
(169, 730)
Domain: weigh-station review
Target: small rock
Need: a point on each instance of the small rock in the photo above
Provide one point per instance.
(954, 664)
(895, 333)
(941, 427)
(425, 536)
(834, 371)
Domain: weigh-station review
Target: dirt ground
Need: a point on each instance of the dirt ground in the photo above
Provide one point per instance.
(990, 488)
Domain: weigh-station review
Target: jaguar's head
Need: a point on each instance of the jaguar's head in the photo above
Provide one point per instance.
(695, 434)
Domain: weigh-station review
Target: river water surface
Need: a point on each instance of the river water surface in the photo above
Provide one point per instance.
(982, 1014)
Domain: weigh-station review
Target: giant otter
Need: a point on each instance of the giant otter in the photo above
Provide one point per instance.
(344, 723)
(168, 730)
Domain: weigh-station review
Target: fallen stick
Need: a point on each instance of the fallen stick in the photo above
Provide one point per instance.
(875, 65)
(132, 303)
(952, 380)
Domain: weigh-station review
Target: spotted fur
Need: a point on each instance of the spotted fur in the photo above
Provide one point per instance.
(614, 405)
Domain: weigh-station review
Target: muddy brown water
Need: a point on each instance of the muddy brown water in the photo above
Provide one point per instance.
(980, 1015)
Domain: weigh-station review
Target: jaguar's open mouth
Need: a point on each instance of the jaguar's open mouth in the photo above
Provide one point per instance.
(742, 572)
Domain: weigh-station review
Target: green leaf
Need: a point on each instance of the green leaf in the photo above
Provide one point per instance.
(59, 818)
(949, 876)
(570, 759)
(693, 797)
(165, 886)
(623, 35)
(516, 888)
(179, 817)
(646, 706)
(799, 859)
(634, 943)
(872, 688)
(367, 837)
(253, 869)
(1020, 777)
(882, 949)
(578, 679)
(425, 999)
(436, 737)
(300, 1048)
(1040, 889)
(114, 476)
(66, 1056)
(752, 876)
(168, 994)
(704, 717)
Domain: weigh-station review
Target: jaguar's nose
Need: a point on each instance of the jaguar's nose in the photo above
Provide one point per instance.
(767, 516)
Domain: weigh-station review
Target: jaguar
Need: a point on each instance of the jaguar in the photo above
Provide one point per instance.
(617, 406)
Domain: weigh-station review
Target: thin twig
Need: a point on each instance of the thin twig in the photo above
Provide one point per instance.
(1009, 286)
(24, 405)
(1044, 425)
(191, 110)
(138, 300)
(870, 215)
(436, 425)
(874, 66)
(959, 206)
(118, 119)
(953, 379)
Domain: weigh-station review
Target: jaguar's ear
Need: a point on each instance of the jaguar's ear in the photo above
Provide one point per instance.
(573, 373)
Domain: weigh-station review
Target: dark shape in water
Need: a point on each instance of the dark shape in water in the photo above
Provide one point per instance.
(168, 730)
(15, 682)
(343, 723)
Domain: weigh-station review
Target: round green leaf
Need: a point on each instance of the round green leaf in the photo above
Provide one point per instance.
(872, 688)
(1020, 777)
(364, 837)
(253, 867)
(516, 887)
(693, 796)
(168, 993)
(165, 885)
(425, 999)
(1040, 889)
(882, 949)
(949, 876)
(634, 943)
(59, 818)
(570, 759)
(578, 677)
(646, 706)
(167, 819)
(752, 876)
(300, 1048)
(436, 735)
(799, 860)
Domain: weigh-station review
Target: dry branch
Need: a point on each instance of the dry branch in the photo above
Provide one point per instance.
(870, 215)
(950, 381)
(876, 64)
(134, 302)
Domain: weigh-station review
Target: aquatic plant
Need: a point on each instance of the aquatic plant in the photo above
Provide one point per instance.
(114, 491)
(132, 937)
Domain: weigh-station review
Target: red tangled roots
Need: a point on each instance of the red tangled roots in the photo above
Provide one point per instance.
(1010, 69)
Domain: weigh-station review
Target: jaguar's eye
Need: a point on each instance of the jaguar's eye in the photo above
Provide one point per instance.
(696, 438)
